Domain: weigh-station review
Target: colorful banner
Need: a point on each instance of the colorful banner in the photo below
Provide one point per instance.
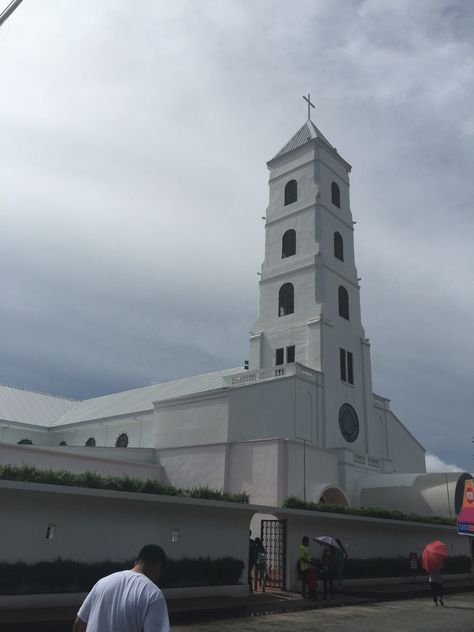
(466, 515)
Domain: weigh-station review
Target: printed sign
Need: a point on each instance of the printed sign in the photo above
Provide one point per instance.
(466, 515)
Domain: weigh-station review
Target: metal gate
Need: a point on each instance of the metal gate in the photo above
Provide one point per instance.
(273, 536)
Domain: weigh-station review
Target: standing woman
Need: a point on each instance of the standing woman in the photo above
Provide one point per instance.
(304, 564)
(341, 555)
(328, 567)
(261, 568)
(436, 584)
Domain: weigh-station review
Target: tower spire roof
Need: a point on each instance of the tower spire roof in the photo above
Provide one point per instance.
(304, 135)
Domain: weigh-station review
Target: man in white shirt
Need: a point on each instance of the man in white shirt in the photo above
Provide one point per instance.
(127, 601)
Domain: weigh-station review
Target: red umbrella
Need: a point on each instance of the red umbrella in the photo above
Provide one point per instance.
(433, 556)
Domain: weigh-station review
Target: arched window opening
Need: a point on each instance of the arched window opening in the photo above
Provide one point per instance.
(338, 246)
(335, 194)
(90, 443)
(291, 192)
(343, 297)
(286, 300)
(25, 442)
(122, 441)
(288, 244)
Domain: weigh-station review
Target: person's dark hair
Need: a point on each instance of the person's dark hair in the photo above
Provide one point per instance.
(305, 539)
(151, 554)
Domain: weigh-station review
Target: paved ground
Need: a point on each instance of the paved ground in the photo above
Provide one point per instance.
(413, 615)
(384, 604)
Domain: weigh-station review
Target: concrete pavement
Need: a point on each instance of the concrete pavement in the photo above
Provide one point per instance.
(411, 615)
(58, 614)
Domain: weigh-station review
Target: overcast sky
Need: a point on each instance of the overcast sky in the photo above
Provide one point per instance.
(133, 143)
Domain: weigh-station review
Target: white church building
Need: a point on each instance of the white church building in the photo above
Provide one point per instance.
(301, 420)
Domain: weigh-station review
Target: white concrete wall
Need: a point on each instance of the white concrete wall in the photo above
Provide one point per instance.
(138, 455)
(255, 468)
(13, 433)
(262, 410)
(94, 525)
(365, 537)
(138, 428)
(195, 466)
(197, 420)
(62, 459)
(298, 166)
(329, 168)
(321, 468)
(406, 453)
(297, 269)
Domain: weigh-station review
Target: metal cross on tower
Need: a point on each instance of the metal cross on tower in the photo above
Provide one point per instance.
(310, 105)
(9, 10)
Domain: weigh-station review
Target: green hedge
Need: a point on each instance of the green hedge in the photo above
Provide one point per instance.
(62, 575)
(32, 474)
(398, 567)
(370, 512)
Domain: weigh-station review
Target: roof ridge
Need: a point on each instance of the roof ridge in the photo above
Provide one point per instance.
(178, 379)
(32, 390)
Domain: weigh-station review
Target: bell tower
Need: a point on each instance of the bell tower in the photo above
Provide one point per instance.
(309, 303)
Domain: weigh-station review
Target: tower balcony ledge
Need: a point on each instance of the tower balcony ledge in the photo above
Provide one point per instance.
(273, 373)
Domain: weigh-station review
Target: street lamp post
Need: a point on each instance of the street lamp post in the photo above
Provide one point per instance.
(305, 441)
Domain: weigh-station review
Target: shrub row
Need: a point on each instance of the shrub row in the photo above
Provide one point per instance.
(398, 567)
(32, 474)
(371, 512)
(63, 575)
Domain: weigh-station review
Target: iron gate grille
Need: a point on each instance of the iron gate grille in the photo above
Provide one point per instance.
(273, 536)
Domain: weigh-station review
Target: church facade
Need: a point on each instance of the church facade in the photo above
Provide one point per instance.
(302, 419)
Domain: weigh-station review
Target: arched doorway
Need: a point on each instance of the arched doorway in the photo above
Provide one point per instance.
(333, 496)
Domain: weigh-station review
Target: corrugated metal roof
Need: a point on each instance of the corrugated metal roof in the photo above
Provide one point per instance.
(307, 133)
(31, 407)
(141, 399)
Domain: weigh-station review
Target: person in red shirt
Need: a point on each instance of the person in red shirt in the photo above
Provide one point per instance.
(313, 579)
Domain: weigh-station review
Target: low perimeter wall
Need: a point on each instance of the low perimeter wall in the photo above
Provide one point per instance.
(95, 525)
(366, 537)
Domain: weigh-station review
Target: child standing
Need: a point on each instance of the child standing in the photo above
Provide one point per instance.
(313, 579)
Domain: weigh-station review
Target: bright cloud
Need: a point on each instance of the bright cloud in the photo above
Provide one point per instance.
(435, 464)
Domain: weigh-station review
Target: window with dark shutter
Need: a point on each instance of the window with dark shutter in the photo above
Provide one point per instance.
(343, 300)
(291, 192)
(286, 300)
(338, 246)
(342, 362)
(288, 244)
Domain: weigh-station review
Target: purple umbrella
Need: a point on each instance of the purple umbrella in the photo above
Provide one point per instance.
(327, 540)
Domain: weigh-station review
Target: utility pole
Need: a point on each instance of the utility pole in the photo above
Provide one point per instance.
(6, 13)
